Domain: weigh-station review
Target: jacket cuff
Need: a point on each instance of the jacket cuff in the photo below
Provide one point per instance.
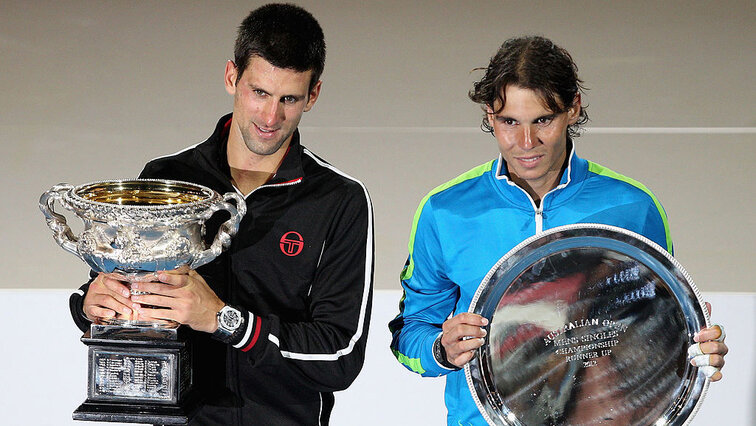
(76, 305)
(251, 335)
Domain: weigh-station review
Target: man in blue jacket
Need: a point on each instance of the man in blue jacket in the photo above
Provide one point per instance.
(531, 96)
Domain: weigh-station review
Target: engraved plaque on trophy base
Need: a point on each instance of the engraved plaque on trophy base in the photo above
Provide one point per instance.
(138, 375)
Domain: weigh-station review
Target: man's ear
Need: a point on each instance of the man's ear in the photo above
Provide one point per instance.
(573, 113)
(489, 114)
(230, 76)
(313, 95)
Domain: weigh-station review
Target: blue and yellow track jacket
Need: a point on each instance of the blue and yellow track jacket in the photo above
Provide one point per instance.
(464, 226)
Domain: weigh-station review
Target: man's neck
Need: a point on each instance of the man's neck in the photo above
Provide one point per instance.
(249, 170)
(247, 181)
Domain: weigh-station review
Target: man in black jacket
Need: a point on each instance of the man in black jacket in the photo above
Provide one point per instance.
(299, 271)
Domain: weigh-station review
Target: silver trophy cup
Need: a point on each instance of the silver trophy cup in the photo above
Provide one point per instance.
(140, 370)
(134, 228)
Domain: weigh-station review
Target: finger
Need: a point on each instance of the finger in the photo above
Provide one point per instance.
(717, 348)
(708, 307)
(470, 344)
(154, 300)
(115, 286)
(470, 318)
(717, 376)
(461, 332)
(94, 312)
(701, 360)
(716, 360)
(110, 302)
(158, 314)
(462, 359)
(714, 347)
(454, 350)
(154, 287)
(182, 270)
(173, 278)
(710, 371)
(715, 332)
(462, 352)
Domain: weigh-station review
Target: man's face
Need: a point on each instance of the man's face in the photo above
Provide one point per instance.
(532, 139)
(268, 103)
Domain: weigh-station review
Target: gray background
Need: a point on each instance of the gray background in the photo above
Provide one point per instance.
(92, 90)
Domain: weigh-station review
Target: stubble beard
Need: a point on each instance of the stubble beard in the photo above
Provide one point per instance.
(261, 148)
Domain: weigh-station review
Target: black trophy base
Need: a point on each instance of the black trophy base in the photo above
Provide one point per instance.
(123, 412)
(138, 375)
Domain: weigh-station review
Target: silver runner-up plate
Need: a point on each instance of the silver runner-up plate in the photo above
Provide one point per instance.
(588, 325)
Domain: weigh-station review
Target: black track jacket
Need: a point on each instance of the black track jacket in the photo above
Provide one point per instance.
(301, 268)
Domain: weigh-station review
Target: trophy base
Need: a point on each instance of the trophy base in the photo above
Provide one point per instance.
(123, 412)
(121, 322)
(138, 375)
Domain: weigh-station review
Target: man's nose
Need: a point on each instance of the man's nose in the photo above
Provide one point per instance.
(527, 139)
(272, 113)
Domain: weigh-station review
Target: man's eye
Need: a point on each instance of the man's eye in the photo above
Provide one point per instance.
(289, 99)
(259, 92)
(544, 120)
(507, 121)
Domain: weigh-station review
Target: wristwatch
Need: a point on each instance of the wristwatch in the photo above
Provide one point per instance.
(230, 321)
(440, 355)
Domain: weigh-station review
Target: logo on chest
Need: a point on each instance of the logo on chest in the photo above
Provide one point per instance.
(291, 243)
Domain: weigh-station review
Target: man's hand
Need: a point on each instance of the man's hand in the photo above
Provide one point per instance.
(710, 350)
(188, 298)
(107, 298)
(462, 335)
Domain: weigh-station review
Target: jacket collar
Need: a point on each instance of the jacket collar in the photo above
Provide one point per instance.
(213, 153)
(572, 177)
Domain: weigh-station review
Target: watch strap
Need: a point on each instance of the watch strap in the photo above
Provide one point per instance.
(439, 353)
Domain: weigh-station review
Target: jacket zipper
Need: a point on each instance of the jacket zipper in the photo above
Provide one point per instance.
(234, 358)
(290, 183)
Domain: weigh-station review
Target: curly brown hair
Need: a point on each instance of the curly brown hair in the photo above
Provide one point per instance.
(535, 63)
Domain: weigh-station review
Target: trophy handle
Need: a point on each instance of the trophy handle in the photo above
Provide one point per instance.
(57, 222)
(227, 230)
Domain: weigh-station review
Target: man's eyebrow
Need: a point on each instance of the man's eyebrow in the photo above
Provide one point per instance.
(257, 89)
(547, 116)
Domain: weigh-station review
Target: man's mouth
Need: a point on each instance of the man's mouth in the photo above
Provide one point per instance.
(529, 160)
(265, 131)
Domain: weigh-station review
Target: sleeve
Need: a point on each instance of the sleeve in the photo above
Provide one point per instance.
(429, 298)
(656, 225)
(76, 304)
(326, 352)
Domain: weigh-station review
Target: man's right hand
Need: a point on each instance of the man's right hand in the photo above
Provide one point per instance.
(462, 335)
(107, 298)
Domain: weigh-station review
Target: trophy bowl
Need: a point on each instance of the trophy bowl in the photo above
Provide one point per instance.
(588, 324)
(135, 228)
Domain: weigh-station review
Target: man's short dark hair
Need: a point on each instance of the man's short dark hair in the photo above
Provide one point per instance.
(285, 35)
(535, 63)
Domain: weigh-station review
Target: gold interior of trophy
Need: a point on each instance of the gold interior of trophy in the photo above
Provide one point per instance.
(142, 193)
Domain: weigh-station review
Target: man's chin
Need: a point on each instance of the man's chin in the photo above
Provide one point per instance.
(264, 148)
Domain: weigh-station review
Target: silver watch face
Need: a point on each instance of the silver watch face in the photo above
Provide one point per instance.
(230, 318)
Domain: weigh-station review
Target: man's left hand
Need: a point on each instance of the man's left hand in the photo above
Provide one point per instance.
(186, 295)
(709, 351)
